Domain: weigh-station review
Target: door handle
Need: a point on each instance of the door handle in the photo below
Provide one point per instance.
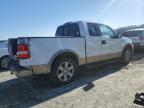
(103, 41)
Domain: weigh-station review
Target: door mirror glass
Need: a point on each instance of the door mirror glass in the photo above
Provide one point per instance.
(117, 35)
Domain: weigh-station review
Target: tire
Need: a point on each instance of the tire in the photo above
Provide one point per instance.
(127, 56)
(3, 63)
(64, 71)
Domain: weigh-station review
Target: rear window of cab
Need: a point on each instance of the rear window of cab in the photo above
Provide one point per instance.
(71, 29)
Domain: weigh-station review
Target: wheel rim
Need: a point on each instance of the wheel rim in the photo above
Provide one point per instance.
(65, 71)
(128, 55)
(4, 63)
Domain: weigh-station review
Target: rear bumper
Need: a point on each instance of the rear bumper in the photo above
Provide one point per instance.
(26, 71)
(22, 72)
(18, 70)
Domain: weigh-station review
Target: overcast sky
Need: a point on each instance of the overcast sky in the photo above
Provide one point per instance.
(41, 17)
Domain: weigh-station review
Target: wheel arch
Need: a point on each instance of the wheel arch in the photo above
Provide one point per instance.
(63, 53)
(128, 46)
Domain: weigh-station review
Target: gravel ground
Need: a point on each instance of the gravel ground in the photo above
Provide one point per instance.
(108, 86)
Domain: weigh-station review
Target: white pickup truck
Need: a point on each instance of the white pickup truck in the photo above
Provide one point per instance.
(75, 44)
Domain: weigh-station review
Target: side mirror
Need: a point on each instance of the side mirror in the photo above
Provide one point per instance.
(117, 35)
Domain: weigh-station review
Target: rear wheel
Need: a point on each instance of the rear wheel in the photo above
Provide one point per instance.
(127, 56)
(63, 71)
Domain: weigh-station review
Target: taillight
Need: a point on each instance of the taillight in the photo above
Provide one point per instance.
(23, 51)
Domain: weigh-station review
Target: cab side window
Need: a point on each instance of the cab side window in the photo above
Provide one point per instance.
(93, 29)
(106, 31)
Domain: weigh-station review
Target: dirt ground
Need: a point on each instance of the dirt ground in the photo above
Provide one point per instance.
(108, 86)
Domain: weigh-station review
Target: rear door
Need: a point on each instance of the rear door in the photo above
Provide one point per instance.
(93, 43)
(111, 47)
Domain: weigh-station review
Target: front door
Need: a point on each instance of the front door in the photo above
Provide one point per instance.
(111, 46)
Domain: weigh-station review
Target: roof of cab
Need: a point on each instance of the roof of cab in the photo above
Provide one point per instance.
(80, 22)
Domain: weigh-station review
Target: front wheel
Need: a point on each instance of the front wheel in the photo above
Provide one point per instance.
(127, 56)
(63, 71)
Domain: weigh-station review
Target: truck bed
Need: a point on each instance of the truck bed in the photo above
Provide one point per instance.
(42, 49)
